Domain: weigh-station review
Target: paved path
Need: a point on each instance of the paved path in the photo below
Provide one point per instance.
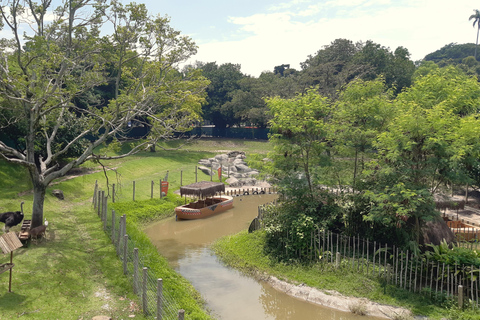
(470, 215)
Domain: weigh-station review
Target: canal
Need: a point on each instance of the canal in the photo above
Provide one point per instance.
(229, 294)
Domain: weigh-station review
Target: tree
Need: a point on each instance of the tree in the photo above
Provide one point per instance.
(224, 81)
(298, 132)
(362, 111)
(476, 20)
(44, 74)
(428, 144)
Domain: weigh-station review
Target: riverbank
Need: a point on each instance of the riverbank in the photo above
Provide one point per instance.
(320, 283)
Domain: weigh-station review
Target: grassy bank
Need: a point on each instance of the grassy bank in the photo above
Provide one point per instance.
(75, 273)
(244, 251)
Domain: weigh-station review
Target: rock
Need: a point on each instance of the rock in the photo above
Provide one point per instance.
(233, 182)
(242, 168)
(252, 173)
(239, 162)
(58, 193)
(221, 157)
(101, 318)
(238, 175)
(231, 168)
(435, 231)
(205, 170)
(215, 165)
(250, 181)
(233, 154)
(205, 162)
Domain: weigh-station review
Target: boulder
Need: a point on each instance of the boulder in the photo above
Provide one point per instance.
(249, 181)
(58, 193)
(221, 157)
(205, 170)
(252, 173)
(242, 168)
(233, 182)
(215, 165)
(233, 154)
(239, 162)
(205, 163)
(435, 231)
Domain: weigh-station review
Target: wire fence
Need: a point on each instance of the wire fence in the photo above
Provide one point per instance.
(155, 303)
(390, 264)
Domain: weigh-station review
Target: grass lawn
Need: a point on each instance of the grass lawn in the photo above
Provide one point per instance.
(75, 273)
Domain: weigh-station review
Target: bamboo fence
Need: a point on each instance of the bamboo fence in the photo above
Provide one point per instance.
(390, 264)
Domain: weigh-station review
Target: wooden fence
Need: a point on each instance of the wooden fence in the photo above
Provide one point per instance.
(389, 263)
(155, 303)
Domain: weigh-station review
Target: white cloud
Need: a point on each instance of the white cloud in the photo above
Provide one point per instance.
(272, 39)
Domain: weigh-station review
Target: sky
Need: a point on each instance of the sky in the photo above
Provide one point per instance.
(262, 34)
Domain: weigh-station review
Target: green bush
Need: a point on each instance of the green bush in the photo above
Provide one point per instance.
(453, 255)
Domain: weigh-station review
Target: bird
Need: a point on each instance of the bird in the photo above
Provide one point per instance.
(12, 218)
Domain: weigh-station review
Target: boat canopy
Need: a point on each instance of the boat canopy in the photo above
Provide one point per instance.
(202, 189)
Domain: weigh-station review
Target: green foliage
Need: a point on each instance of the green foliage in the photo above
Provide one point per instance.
(298, 132)
(452, 51)
(453, 255)
(289, 227)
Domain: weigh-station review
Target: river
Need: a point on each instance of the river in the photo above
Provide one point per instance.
(229, 294)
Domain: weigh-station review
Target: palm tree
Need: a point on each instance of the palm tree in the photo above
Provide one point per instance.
(476, 17)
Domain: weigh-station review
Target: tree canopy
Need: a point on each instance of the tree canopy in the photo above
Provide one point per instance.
(51, 72)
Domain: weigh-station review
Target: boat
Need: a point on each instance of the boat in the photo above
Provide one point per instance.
(208, 202)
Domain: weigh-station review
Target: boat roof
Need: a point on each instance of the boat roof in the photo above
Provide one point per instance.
(202, 188)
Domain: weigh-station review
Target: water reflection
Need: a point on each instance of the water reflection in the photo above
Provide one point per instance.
(229, 294)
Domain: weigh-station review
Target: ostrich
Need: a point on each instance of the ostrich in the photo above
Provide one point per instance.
(12, 218)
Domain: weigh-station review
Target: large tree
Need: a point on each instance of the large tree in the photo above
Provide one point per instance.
(428, 146)
(56, 57)
(299, 134)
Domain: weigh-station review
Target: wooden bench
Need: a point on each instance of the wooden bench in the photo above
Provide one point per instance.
(25, 230)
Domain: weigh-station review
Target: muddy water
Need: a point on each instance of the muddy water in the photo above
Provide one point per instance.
(229, 294)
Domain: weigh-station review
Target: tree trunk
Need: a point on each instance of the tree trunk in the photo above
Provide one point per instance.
(476, 44)
(39, 191)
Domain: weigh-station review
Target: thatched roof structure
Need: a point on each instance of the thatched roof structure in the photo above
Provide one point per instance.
(202, 189)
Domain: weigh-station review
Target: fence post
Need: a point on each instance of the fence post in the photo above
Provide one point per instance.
(113, 226)
(159, 298)
(99, 200)
(135, 270)
(161, 195)
(94, 200)
(460, 296)
(196, 174)
(151, 190)
(125, 247)
(181, 178)
(144, 291)
(337, 260)
(181, 314)
(133, 190)
(104, 213)
(113, 193)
